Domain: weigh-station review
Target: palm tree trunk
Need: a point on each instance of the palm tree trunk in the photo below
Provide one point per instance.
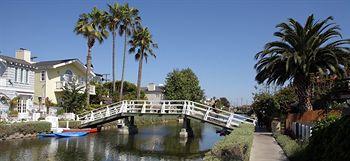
(113, 59)
(303, 90)
(123, 70)
(87, 80)
(139, 76)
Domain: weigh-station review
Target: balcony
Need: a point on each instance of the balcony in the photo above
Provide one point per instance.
(61, 84)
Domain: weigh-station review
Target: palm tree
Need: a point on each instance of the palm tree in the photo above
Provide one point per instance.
(142, 45)
(92, 27)
(300, 52)
(113, 20)
(129, 21)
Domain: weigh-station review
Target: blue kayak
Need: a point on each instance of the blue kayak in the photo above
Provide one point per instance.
(47, 135)
(70, 134)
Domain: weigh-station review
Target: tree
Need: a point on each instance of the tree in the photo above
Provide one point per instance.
(222, 102)
(300, 52)
(266, 108)
(91, 26)
(101, 95)
(113, 20)
(129, 21)
(183, 85)
(130, 91)
(72, 100)
(285, 97)
(48, 104)
(142, 45)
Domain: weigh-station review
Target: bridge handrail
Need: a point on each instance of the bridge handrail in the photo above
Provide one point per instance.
(190, 108)
(100, 108)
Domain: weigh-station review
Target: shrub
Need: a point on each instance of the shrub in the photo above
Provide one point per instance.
(235, 146)
(331, 142)
(24, 128)
(290, 147)
(72, 124)
(325, 122)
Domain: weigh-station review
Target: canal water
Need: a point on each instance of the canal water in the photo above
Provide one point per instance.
(152, 143)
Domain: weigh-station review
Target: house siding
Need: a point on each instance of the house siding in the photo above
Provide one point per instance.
(47, 88)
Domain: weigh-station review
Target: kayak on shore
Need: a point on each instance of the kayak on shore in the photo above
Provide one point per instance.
(71, 134)
(89, 130)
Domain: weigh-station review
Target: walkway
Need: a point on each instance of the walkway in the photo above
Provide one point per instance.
(265, 148)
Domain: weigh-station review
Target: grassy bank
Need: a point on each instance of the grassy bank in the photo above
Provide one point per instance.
(72, 124)
(235, 146)
(154, 120)
(24, 128)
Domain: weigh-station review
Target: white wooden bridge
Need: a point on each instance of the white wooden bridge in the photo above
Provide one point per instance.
(189, 109)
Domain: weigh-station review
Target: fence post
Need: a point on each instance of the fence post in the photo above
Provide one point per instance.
(184, 108)
(107, 112)
(143, 110)
(163, 108)
(207, 114)
(229, 120)
(92, 118)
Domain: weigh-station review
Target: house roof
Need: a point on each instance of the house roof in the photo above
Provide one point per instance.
(50, 64)
(158, 90)
(16, 61)
(58, 63)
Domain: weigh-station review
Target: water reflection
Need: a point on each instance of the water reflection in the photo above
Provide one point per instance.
(151, 143)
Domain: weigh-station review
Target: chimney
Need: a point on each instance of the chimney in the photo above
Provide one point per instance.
(23, 54)
(151, 87)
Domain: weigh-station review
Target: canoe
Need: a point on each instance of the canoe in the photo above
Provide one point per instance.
(71, 134)
(47, 135)
(89, 130)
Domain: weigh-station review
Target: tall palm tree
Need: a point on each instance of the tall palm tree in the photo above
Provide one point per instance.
(113, 20)
(142, 45)
(129, 21)
(92, 27)
(316, 47)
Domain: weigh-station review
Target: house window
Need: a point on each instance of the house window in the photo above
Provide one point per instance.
(22, 106)
(43, 75)
(16, 75)
(22, 73)
(27, 76)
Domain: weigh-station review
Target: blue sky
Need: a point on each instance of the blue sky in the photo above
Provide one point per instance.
(217, 39)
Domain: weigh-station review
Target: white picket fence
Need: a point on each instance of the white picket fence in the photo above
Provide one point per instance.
(302, 131)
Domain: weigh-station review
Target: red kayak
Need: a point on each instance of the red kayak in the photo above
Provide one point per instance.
(89, 130)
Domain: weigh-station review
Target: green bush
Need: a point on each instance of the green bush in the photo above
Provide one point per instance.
(24, 128)
(72, 124)
(290, 147)
(325, 122)
(330, 143)
(235, 146)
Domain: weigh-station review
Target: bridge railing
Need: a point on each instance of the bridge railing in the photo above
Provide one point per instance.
(176, 107)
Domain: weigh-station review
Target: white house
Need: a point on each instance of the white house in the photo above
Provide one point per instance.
(17, 80)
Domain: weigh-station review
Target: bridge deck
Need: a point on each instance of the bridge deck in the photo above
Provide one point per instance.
(189, 109)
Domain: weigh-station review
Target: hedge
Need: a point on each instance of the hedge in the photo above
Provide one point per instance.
(235, 146)
(72, 124)
(24, 128)
(290, 147)
(330, 143)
